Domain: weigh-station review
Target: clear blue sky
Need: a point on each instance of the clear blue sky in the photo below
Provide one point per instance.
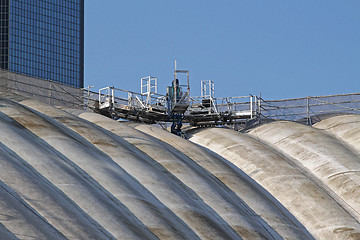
(283, 49)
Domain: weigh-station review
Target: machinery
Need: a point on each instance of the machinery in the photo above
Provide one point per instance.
(177, 107)
(178, 99)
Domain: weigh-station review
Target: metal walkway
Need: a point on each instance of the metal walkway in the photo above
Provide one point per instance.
(177, 105)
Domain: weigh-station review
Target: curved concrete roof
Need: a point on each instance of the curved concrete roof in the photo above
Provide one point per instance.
(79, 175)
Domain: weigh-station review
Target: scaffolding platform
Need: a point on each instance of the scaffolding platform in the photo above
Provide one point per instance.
(207, 110)
(151, 107)
(118, 103)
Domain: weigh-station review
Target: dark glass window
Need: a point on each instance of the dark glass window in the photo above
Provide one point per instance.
(43, 39)
(4, 34)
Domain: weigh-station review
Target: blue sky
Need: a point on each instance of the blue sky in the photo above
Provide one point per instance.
(283, 49)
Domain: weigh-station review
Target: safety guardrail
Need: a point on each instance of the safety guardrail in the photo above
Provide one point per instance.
(310, 108)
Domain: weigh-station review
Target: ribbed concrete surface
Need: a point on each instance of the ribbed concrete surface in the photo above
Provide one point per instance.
(258, 199)
(295, 188)
(79, 175)
(344, 127)
(333, 163)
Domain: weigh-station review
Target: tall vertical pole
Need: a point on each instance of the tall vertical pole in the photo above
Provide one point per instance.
(251, 107)
(308, 111)
(155, 85)
(259, 106)
(175, 70)
(175, 86)
(112, 95)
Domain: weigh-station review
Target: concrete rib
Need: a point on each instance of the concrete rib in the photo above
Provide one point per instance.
(242, 185)
(231, 208)
(71, 180)
(21, 220)
(169, 190)
(314, 208)
(325, 156)
(344, 127)
(45, 198)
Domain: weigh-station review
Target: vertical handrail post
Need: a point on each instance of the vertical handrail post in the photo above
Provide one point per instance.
(251, 107)
(308, 111)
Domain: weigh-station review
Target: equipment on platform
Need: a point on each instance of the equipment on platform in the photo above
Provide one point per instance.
(179, 94)
(178, 99)
(177, 107)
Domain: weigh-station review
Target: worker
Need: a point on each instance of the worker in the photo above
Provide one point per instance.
(178, 129)
(177, 89)
(173, 128)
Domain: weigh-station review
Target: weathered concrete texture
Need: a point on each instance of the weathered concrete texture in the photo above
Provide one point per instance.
(6, 234)
(110, 192)
(345, 128)
(79, 175)
(328, 159)
(100, 208)
(294, 188)
(260, 201)
(20, 220)
(199, 182)
(220, 216)
(39, 193)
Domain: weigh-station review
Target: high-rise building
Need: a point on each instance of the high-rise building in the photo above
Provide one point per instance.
(43, 39)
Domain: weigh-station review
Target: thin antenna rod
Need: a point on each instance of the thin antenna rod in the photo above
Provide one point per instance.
(175, 73)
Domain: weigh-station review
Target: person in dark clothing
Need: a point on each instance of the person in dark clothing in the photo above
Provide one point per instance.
(173, 128)
(178, 129)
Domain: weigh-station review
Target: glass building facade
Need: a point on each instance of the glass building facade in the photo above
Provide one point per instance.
(43, 39)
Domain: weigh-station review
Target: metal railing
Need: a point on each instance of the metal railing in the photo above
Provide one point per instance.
(113, 96)
(250, 104)
(307, 109)
(311, 108)
(43, 90)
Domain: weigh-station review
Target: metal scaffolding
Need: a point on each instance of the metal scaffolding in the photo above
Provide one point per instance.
(205, 110)
(177, 107)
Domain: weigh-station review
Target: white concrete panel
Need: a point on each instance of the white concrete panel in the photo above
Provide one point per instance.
(232, 209)
(114, 171)
(309, 203)
(257, 198)
(45, 198)
(85, 176)
(328, 159)
(21, 220)
(106, 214)
(345, 128)
(181, 200)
